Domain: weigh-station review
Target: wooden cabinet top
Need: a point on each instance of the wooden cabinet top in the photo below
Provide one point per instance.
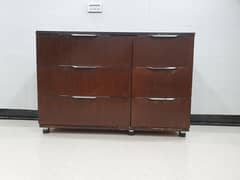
(114, 33)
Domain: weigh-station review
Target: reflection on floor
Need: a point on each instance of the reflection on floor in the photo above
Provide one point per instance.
(207, 153)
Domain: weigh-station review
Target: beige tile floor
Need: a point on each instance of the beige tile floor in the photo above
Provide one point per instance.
(207, 153)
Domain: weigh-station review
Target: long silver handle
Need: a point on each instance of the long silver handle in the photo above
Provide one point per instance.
(164, 35)
(83, 35)
(84, 97)
(85, 67)
(80, 67)
(79, 97)
(162, 99)
(162, 68)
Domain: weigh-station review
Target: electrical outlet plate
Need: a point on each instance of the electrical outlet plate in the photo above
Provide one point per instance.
(94, 7)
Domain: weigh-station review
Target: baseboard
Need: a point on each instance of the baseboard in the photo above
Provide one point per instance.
(21, 114)
(196, 119)
(215, 120)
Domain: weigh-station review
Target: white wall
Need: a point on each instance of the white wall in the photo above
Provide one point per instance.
(216, 82)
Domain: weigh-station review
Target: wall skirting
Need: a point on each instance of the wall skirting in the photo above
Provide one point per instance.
(215, 120)
(196, 119)
(21, 114)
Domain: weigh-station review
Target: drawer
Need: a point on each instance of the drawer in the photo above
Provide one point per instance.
(77, 49)
(84, 111)
(53, 50)
(163, 51)
(84, 81)
(157, 113)
(165, 82)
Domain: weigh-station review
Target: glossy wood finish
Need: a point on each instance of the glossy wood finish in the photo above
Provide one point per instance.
(53, 50)
(160, 114)
(86, 51)
(84, 82)
(103, 51)
(99, 112)
(162, 67)
(59, 81)
(162, 83)
(113, 69)
(163, 52)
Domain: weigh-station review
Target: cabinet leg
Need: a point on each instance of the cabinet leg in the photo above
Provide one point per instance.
(46, 130)
(181, 134)
(131, 132)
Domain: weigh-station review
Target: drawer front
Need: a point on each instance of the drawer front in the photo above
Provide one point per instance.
(84, 81)
(53, 50)
(166, 51)
(111, 51)
(148, 82)
(154, 113)
(84, 111)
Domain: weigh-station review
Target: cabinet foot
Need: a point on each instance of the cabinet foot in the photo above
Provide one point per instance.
(181, 134)
(46, 130)
(131, 132)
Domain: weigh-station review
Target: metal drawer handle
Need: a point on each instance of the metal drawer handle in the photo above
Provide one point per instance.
(80, 67)
(78, 97)
(83, 35)
(162, 99)
(162, 68)
(164, 35)
(85, 67)
(84, 97)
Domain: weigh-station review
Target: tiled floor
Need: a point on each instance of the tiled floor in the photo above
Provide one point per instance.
(207, 153)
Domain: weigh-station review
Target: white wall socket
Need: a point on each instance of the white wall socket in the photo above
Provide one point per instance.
(94, 7)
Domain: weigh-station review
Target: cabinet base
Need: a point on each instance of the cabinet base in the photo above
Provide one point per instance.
(179, 132)
(46, 130)
(131, 132)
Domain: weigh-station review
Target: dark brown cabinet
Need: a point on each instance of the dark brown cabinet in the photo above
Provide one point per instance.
(121, 81)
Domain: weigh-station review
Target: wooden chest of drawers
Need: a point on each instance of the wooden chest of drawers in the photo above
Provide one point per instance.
(119, 81)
